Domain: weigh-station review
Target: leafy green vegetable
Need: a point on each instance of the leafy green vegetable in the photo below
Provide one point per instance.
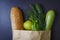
(49, 19)
(37, 17)
(41, 16)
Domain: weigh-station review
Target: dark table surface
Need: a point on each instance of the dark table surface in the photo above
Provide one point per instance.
(5, 24)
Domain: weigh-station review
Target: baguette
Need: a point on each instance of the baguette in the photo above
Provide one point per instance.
(16, 18)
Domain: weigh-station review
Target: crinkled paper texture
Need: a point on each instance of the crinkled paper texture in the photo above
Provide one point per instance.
(31, 35)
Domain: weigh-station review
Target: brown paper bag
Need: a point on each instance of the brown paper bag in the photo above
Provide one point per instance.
(31, 35)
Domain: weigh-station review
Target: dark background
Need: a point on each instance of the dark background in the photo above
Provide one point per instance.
(5, 24)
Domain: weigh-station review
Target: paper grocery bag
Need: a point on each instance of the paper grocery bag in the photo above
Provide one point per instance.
(31, 35)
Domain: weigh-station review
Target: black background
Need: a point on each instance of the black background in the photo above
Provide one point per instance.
(5, 24)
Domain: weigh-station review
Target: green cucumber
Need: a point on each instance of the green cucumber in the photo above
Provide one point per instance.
(49, 19)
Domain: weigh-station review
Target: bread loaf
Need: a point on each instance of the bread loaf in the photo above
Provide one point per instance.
(16, 18)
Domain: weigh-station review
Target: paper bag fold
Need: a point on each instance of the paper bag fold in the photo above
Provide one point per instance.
(31, 35)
